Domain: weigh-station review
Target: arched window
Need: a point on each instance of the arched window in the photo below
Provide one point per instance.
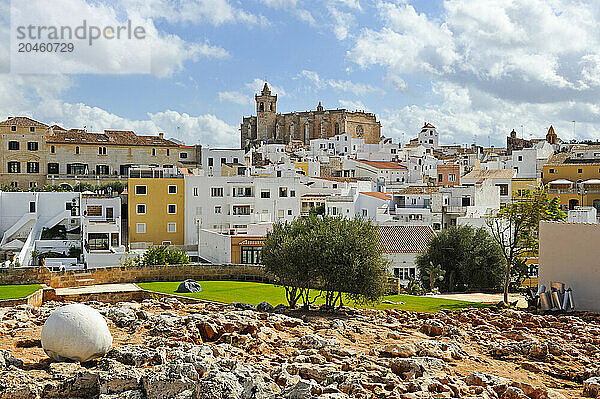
(359, 131)
(336, 128)
(261, 107)
(270, 106)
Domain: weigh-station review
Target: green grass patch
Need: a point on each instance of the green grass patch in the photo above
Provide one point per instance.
(254, 293)
(17, 291)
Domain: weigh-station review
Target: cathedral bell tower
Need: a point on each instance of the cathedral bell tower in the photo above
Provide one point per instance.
(266, 114)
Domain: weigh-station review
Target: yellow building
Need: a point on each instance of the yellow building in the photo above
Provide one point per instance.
(521, 187)
(156, 202)
(575, 177)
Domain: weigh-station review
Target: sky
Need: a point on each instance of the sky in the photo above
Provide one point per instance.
(476, 69)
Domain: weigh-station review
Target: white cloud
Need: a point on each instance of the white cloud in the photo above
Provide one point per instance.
(342, 22)
(342, 85)
(215, 12)
(396, 82)
(353, 105)
(159, 53)
(235, 97)
(355, 4)
(493, 65)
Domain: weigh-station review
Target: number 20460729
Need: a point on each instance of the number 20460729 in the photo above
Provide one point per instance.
(46, 47)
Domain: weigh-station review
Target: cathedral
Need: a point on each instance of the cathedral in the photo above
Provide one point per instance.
(271, 127)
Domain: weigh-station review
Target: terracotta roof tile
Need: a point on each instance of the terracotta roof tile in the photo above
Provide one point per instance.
(490, 174)
(404, 239)
(109, 137)
(21, 121)
(383, 164)
(382, 196)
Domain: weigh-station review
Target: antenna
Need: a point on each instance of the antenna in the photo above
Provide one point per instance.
(573, 129)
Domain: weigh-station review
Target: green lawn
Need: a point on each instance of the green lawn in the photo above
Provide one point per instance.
(17, 291)
(254, 293)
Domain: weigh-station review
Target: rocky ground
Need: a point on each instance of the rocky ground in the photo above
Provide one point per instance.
(166, 349)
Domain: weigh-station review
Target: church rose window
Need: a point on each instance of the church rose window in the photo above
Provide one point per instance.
(359, 131)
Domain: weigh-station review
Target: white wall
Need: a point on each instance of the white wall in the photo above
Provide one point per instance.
(569, 253)
(214, 247)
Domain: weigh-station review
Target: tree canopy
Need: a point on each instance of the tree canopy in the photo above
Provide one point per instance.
(331, 256)
(468, 257)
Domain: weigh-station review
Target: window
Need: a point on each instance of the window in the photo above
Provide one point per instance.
(217, 209)
(265, 194)
(223, 160)
(14, 167)
(195, 191)
(171, 227)
(76, 169)
(32, 145)
(140, 209)
(13, 128)
(289, 212)
(168, 152)
(243, 210)
(440, 177)
(552, 171)
(579, 170)
(251, 255)
(98, 241)
(102, 170)
(278, 173)
(141, 190)
(77, 150)
(13, 145)
(292, 193)
(520, 158)
(242, 192)
(32, 129)
(183, 155)
(140, 228)
(94, 210)
(171, 209)
(33, 184)
(101, 150)
(365, 213)
(503, 189)
(210, 162)
(154, 152)
(33, 167)
(52, 149)
(283, 192)
(32, 207)
(405, 273)
(336, 128)
(235, 160)
(172, 189)
(216, 192)
(452, 177)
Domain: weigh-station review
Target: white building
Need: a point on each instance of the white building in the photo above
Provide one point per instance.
(223, 203)
(401, 246)
(498, 177)
(428, 136)
(582, 214)
(212, 158)
(382, 172)
(529, 162)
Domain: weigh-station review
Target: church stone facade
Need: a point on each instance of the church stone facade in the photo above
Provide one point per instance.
(271, 127)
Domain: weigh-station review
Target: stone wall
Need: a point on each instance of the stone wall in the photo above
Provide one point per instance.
(141, 274)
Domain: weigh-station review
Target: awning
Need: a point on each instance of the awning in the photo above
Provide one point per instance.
(252, 243)
(561, 181)
(591, 181)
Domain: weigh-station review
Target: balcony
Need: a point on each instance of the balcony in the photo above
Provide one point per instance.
(461, 210)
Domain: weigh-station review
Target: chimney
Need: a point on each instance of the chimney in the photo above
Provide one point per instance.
(161, 135)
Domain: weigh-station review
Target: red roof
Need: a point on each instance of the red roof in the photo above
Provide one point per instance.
(376, 194)
(404, 239)
(384, 164)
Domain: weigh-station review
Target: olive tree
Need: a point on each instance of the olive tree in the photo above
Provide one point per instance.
(334, 257)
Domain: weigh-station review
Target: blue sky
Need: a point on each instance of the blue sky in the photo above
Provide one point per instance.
(476, 70)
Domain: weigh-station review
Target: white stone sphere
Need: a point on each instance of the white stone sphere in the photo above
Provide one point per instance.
(76, 332)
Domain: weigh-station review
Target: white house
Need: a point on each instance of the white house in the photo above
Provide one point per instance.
(382, 172)
(428, 136)
(498, 177)
(529, 162)
(212, 158)
(223, 203)
(401, 246)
